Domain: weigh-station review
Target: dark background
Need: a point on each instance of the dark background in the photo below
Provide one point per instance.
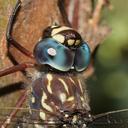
(108, 87)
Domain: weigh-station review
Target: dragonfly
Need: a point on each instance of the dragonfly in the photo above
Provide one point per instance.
(58, 97)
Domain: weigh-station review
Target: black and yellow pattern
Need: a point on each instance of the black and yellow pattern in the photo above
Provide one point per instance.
(55, 94)
(64, 35)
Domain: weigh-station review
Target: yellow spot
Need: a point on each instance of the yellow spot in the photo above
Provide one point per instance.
(42, 115)
(57, 30)
(49, 77)
(64, 125)
(33, 99)
(59, 38)
(70, 42)
(80, 86)
(77, 42)
(62, 97)
(74, 119)
(72, 80)
(44, 97)
(82, 99)
(53, 26)
(65, 85)
(70, 98)
(47, 107)
(44, 105)
(66, 115)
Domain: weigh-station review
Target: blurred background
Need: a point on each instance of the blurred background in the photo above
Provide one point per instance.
(108, 87)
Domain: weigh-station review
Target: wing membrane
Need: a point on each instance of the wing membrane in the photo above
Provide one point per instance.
(23, 119)
(114, 119)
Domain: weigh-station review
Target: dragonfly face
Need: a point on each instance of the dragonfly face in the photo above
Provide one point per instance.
(62, 48)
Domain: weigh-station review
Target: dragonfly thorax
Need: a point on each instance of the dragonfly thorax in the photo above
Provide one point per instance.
(60, 98)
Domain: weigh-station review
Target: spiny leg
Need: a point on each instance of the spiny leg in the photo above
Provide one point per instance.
(16, 68)
(23, 96)
(19, 104)
(63, 12)
(9, 31)
(19, 67)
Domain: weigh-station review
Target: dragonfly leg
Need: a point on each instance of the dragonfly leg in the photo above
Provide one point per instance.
(19, 104)
(19, 67)
(63, 12)
(9, 32)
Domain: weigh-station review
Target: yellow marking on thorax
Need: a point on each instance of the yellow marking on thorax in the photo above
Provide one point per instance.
(33, 99)
(62, 97)
(49, 77)
(71, 98)
(82, 99)
(44, 105)
(71, 42)
(42, 115)
(44, 97)
(47, 107)
(80, 86)
(72, 80)
(59, 38)
(57, 30)
(65, 85)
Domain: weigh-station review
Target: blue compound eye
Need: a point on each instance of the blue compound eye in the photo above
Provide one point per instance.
(82, 57)
(49, 51)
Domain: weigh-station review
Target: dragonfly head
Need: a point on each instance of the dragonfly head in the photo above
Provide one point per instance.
(63, 49)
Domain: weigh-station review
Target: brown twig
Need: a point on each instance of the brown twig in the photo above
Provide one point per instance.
(97, 12)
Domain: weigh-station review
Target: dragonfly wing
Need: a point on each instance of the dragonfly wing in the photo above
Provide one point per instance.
(114, 119)
(23, 119)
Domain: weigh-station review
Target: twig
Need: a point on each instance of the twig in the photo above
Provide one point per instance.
(97, 12)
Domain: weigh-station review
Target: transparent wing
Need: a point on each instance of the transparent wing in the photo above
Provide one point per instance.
(23, 119)
(114, 119)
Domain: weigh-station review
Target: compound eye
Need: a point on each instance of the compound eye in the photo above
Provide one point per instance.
(82, 57)
(50, 52)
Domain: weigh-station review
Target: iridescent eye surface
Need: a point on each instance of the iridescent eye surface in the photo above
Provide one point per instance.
(49, 51)
(82, 57)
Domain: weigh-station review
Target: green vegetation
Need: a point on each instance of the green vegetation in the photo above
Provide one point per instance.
(109, 85)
